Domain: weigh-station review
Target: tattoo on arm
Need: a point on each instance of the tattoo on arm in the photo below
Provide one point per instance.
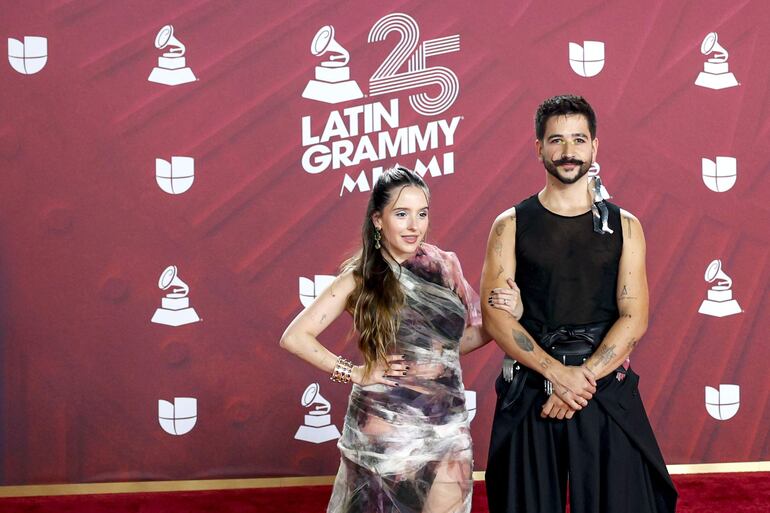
(323, 318)
(522, 341)
(499, 229)
(545, 363)
(499, 248)
(499, 272)
(624, 294)
(606, 354)
(632, 344)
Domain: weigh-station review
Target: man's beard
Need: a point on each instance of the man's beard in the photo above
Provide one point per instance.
(551, 167)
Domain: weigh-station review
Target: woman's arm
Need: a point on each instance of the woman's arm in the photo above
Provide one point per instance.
(301, 336)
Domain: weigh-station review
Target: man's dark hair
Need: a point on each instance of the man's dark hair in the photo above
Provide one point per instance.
(563, 105)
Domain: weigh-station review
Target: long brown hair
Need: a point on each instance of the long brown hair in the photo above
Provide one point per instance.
(377, 298)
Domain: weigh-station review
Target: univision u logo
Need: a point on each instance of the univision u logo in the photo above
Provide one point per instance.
(178, 418)
(30, 56)
(723, 404)
(587, 60)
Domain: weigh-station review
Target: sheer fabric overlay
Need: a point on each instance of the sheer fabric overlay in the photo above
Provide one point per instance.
(407, 449)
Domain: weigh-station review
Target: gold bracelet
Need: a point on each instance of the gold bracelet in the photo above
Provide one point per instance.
(342, 371)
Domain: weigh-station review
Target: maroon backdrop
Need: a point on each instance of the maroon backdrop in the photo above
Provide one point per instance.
(85, 231)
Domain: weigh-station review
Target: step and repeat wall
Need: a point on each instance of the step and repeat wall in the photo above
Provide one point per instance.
(179, 179)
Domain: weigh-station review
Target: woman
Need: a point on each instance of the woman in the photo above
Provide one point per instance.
(406, 443)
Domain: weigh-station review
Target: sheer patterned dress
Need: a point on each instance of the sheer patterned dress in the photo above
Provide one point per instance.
(407, 448)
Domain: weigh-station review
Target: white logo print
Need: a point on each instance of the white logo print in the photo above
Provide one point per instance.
(723, 404)
(177, 176)
(318, 427)
(332, 82)
(388, 80)
(175, 309)
(587, 60)
(720, 302)
(311, 289)
(470, 404)
(178, 418)
(719, 176)
(715, 74)
(172, 68)
(30, 56)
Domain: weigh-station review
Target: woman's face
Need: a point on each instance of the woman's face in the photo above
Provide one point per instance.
(403, 222)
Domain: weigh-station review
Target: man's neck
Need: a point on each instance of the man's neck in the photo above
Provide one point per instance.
(566, 199)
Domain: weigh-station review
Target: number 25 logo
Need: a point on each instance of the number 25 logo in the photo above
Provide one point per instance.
(387, 79)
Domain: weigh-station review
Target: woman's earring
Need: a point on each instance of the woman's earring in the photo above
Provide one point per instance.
(377, 238)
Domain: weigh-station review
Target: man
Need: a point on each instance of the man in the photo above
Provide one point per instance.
(568, 413)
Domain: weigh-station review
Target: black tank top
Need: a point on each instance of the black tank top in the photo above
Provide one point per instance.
(567, 273)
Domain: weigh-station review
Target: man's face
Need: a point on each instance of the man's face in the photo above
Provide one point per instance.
(567, 150)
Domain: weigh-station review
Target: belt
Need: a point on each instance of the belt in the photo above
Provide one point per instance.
(571, 345)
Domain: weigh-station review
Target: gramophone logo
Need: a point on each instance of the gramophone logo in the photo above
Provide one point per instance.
(30, 56)
(715, 74)
(719, 302)
(178, 418)
(172, 68)
(177, 176)
(311, 289)
(587, 60)
(332, 82)
(719, 176)
(175, 309)
(318, 427)
(723, 404)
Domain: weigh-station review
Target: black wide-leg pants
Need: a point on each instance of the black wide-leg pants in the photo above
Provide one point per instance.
(606, 454)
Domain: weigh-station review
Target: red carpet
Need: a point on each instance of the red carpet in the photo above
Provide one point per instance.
(701, 493)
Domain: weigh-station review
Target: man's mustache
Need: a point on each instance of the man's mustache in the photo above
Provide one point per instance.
(561, 162)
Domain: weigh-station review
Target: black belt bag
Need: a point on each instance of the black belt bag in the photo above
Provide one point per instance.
(571, 345)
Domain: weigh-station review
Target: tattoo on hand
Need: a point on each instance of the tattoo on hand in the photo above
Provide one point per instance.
(522, 341)
(499, 229)
(499, 248)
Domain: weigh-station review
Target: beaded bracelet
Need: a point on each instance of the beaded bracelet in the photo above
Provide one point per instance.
(342, 371)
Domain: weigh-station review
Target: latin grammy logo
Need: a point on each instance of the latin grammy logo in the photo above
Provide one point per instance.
(720, 302)
(332, 82)
(172, 68)
(587, 60)
(175, 309)
(177, 176)
(715, 74)
(318, 427)
(310, 289)
(179, 417)
(30, 56)
(724, 403)
(719, 175)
